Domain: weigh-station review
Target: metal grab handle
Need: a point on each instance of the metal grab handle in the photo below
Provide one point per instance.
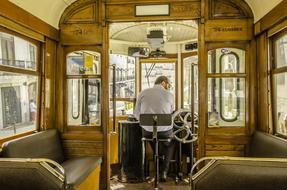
(53, 167)
(212, 160)
(114, 131)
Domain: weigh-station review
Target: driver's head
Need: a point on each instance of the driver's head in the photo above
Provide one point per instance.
(163, 81)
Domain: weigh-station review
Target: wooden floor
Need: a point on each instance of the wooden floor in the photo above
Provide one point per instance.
(169, 185)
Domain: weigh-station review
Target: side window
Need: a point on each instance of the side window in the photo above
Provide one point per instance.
(226, 87)
(150, 71)
(189, 65)
(19, 84)
(125, 81)
(83, 81)
(279, 78)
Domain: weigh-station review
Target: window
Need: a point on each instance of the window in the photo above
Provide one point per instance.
(150, 71)
(19, 84)
(279, 76)
(17, 52)
(188, 63)
(83, 88)
(226, 87)
(124, 83)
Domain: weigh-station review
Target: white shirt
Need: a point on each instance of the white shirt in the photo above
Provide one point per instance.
(156, 100)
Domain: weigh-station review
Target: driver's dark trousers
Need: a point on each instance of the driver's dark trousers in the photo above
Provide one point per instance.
(166, 149)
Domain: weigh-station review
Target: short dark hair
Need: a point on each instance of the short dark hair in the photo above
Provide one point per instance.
(161, 79)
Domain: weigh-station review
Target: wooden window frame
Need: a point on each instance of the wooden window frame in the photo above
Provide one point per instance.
(37, 73)
(184, 56)
(70, 49)
(160, 61)
(272, 74)
(245, 47)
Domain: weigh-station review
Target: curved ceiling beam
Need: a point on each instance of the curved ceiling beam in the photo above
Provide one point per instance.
(51, 11)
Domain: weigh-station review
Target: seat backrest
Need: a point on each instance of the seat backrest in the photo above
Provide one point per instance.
(267, 146)
(45, 144)
(161, 119)
(238, 175)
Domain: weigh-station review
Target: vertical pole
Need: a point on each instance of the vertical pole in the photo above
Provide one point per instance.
(155, 142)
(192, 112)
(114, 97)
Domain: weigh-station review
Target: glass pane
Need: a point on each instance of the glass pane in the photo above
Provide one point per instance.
(150, 71)
(226, 102)
(188, 62)
(281, 52)
(226, 60)
(18, 103)
(125, 76)
(84, 106)
(122, 108)
(83, 63)
(281, 102)
(17, 52)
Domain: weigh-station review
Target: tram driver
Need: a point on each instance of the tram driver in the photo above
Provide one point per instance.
(158, 100)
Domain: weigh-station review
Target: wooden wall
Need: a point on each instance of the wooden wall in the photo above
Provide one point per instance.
(271, 24)
(18, 21)
(85, 24)
(226, 24)
(82, 27)
(124, 10)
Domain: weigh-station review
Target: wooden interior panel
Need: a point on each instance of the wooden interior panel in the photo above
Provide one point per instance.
(114, 139)
(224, 153)
(85, 14)
(75, 34)
(76, 148)
(275, 16)
(227, 139)
(229, 9)
(145, 1)
(226, 145)
(49, 85)
(7, 23)
(120, 11)
(229, 30)
(178, 10)
(92, 182)
(82, 11)
(82, 143)
(185, 10)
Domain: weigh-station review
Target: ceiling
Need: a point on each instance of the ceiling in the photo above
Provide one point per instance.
(50, 11)
(174, 31)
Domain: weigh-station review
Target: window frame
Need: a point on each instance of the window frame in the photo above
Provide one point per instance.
(70, 49)
(131, 100)
(272, 75)
(23, 71)
(161, 61)
(237, 87)
(245, 75)
(184, 56)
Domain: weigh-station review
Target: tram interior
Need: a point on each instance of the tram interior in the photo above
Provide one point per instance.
(71, 72)
(139, 53)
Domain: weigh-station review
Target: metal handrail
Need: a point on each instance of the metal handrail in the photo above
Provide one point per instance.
(53, 167)
(214, 159)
